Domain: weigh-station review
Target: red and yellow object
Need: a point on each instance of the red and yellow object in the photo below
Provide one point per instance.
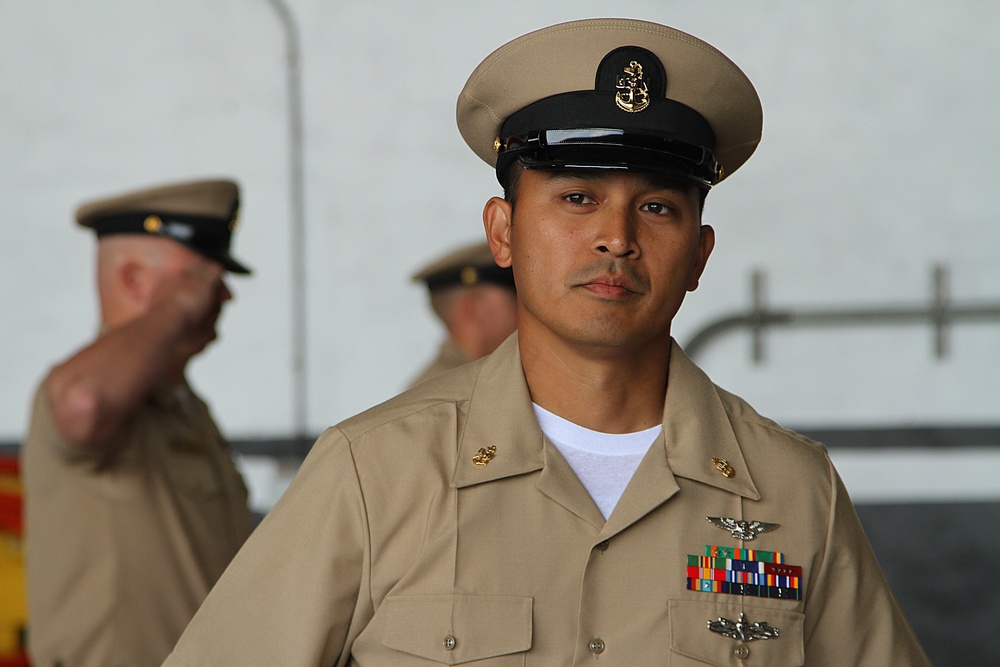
(13, 602)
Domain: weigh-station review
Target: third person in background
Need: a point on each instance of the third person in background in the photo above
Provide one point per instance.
(476, 302)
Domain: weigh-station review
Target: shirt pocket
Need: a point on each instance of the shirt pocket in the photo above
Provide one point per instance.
(190, 470)
(456, 629)
(691, 637)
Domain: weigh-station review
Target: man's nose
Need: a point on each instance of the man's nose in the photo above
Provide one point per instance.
(615, 233)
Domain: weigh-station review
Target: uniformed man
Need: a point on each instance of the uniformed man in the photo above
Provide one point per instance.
(476, 302)
(585, 494)
(134, 507)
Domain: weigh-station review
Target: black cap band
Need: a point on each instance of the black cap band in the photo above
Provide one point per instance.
(470, 276)
(595, 134)
(607, 148)
(207, 236)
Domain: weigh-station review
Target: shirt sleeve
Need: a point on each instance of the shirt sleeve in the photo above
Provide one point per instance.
(852, 617)
(44, 433)
(295, 594)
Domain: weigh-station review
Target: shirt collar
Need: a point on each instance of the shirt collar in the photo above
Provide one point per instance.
(696, 427)
(500, 416)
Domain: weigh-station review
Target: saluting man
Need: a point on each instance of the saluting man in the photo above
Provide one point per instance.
(134, 507)
(585, 494)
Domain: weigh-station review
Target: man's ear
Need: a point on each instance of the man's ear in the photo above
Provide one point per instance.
(706, 242)
(497, 219)
(134, 281)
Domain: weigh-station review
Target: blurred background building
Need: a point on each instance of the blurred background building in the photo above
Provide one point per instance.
(854, 293)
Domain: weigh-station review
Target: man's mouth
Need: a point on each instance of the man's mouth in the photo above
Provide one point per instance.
(610, 286)
(610, 282)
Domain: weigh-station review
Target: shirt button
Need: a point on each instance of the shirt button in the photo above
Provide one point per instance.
(603, 546)
(449, 643)
(742, 651)
(596, 646)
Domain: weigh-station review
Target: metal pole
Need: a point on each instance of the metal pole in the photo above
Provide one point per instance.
(297, 227)
(757, 315)
(940, 309)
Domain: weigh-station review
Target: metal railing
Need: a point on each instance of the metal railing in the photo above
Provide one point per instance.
(940, 313)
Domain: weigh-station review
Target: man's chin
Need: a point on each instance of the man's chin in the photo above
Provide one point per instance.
(210, 338)
(198, 345)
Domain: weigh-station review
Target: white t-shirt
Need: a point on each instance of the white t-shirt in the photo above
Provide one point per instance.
(604, 462)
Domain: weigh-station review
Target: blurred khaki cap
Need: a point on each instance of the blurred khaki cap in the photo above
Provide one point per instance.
(201, 215)
(468, 266)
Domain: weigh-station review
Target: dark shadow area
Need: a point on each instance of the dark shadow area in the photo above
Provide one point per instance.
(942, 562)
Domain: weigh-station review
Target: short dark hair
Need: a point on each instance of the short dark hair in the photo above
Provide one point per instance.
(511, 182)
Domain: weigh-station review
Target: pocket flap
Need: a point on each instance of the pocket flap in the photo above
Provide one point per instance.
(453, 629)
(690, 636)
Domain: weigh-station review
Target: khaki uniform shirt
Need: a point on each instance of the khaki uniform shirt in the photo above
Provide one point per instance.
(449, 357)
(407, 539)
(122, 547)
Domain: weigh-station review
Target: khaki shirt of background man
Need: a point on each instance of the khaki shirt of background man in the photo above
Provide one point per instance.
(133, 505)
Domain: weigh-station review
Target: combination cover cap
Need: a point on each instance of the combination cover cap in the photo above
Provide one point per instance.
(468, 266)
(611, 94)
(201, 215)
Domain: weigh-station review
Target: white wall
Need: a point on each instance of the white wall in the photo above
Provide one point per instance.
(877, 162)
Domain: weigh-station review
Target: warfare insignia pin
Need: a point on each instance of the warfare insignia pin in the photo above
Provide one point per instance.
(742, 530)
(632, 95)
(484, 456)
(742, 629)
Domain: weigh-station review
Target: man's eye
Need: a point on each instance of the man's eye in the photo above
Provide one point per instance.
(657, 208)
(578, 198)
